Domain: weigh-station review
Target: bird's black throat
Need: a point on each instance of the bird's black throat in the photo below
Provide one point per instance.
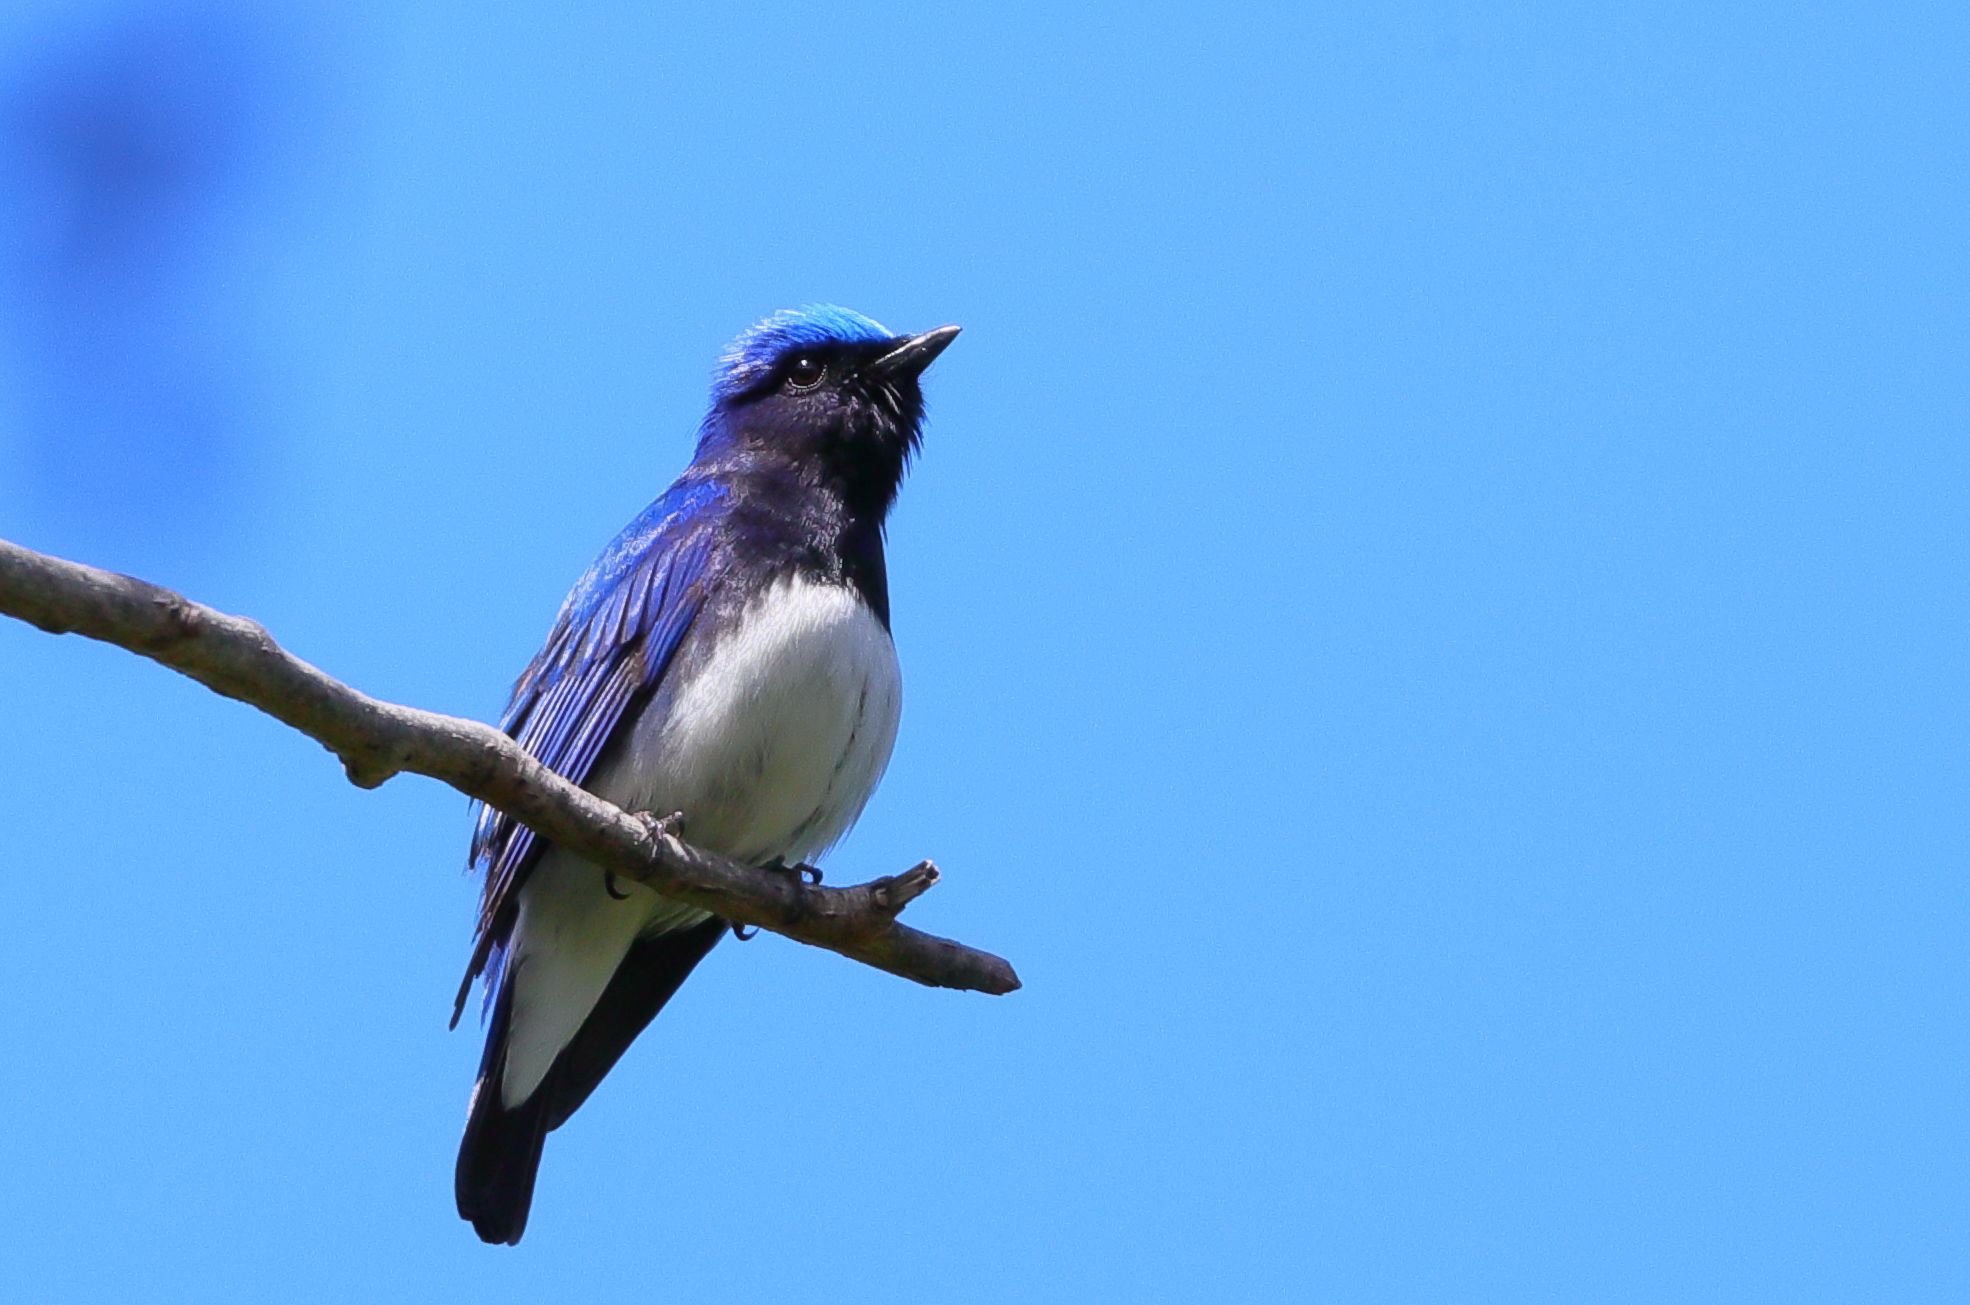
(794, 519)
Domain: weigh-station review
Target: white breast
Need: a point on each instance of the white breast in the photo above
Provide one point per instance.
(770, 748)
(773, 746)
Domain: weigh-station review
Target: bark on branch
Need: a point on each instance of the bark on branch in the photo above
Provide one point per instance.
(375, 740)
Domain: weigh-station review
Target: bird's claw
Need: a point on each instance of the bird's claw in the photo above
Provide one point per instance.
(670, 826)
(807, 874)
(742, 933)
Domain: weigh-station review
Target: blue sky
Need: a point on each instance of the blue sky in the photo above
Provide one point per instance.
(1432, 612)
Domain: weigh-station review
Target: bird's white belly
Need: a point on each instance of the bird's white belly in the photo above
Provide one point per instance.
(774, 745)
(770, 750)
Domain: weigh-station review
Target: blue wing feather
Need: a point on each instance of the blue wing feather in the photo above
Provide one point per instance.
(614, 638)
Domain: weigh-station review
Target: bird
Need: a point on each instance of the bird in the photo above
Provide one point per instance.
(727, 658)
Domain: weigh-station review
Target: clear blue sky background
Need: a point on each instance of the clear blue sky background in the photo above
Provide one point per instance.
(1433, 610)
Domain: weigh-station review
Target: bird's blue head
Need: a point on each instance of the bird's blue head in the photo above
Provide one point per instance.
(826, 391)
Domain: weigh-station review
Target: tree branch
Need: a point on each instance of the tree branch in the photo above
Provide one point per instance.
(375, 740)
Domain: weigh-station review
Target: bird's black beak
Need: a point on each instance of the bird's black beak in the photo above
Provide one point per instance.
(914, 354)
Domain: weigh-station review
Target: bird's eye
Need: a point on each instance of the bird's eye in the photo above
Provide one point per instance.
(805, 374)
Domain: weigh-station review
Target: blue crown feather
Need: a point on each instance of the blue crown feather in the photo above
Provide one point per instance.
(765, 342)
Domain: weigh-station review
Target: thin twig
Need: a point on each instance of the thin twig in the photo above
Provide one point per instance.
(375, 740)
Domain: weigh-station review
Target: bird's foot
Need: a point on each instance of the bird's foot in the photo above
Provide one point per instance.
(670, 826)
(807, 874)
(802, 872)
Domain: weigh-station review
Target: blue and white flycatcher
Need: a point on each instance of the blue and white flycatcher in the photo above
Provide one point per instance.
(727, 657)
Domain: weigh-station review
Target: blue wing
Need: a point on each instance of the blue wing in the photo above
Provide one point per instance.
(610, 645)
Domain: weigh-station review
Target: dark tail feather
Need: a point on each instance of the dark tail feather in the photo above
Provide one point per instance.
(500, 1155)
(645, 980)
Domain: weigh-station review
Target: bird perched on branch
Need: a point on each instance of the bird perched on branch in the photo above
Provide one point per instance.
(727, 657)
